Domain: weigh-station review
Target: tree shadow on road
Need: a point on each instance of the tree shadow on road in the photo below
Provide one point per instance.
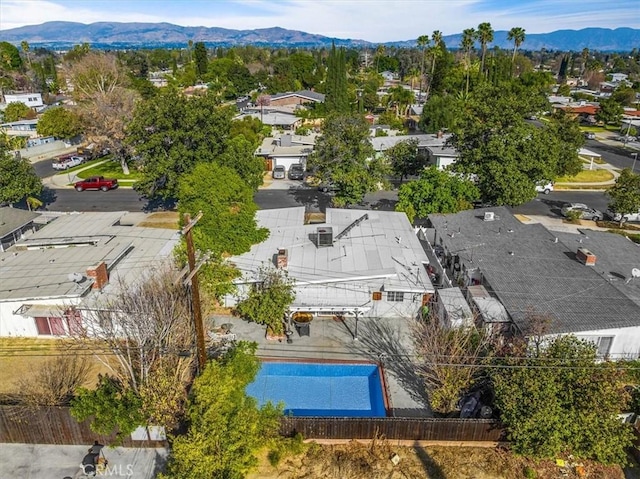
(312, 199)
(47, 197)
(159, 204)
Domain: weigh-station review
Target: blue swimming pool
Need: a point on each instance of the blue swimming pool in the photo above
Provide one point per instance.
(321, 389)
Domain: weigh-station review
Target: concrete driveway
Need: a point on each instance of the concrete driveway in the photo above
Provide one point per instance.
(38, 461)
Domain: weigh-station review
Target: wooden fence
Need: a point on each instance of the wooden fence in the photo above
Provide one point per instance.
(413, 429)
(53, 425)
(56, 426)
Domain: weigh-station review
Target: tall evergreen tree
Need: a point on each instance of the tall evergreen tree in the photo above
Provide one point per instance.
(337, 99)
(202, 62)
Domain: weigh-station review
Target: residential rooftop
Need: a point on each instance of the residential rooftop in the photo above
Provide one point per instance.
(531, 270)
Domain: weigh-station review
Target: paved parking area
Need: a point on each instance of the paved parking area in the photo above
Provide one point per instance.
(35, 461)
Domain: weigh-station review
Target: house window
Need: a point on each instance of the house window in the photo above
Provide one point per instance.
(50, 326)
(377, 295)
(395, 296)
(604, 345)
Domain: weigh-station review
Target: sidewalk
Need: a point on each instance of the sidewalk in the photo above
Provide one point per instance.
(558, 224)
(58, 461)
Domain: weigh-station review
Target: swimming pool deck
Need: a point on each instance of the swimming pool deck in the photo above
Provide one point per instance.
(379, 340)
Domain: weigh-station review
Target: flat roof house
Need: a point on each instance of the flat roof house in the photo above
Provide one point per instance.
(583, 283)
(356, 263)
(70, 264)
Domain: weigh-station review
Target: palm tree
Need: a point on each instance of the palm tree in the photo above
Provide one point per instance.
(585, 57)
(379, 53)
(423, 43)
(484, 35)
(436, 38)
(468, 39)
(517, 35)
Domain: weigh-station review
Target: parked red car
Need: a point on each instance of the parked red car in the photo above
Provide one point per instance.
(97, 183)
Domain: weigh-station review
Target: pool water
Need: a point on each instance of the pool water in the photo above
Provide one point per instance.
(321, 389)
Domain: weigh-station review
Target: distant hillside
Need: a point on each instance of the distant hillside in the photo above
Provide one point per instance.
(62, 35)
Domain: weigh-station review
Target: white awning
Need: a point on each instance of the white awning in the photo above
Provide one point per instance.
(41, 310)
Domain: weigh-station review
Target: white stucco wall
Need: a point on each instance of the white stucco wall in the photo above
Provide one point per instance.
(626, 341)
(25, 326)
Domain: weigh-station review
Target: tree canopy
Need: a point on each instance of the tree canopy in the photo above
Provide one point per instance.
(59, 122)
(228, 225)
(226, 427)
(625, 194)
(507, 155)
(240, 157)
(16, 110)
(344, 155)
(172, 133)
(405, 159)
(18, 179)
(337, 100)
(561, 399)
(436, 191)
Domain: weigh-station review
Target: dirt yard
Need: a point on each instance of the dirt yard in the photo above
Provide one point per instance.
(375, 461)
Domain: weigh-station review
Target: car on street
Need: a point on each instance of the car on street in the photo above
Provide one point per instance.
(327, 186)
(545, 187)
(96, 183)
(279, 172)
(66, 163)
(296, 171)
(586, 213)
(633, 217)
(589, 135)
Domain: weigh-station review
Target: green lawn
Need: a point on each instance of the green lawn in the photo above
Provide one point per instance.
(599, 129)
(587, 176)
(110, 169)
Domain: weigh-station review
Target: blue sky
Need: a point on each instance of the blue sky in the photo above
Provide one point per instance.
(372, 20)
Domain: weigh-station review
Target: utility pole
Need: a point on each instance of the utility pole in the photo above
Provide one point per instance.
(635, 157)
(195, 289)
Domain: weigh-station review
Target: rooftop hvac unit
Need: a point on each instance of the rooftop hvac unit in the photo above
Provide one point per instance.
(324, 236)
(489, 216)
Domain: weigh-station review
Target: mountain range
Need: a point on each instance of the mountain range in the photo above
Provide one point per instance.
(62, 35)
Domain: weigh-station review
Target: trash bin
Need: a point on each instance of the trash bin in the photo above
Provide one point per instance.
(302, 322)
(303, 329)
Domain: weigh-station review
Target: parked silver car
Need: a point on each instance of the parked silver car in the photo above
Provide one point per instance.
(279, 172)
(586, 213)
(634, 217)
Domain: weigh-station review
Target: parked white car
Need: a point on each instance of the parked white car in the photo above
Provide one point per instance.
(544, 187)
(66, 163)
(635, 217)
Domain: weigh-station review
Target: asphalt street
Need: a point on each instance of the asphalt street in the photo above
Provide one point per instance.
(616, 155)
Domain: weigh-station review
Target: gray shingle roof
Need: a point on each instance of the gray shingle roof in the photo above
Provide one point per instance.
(12, 219)
(311, 95)
(530, 272)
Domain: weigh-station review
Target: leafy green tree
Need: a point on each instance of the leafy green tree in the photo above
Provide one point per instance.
(16, 111)
(436, 191)
(344, 155)
(625, 194)
(111, 406)
(239, 156)
(507, 155)
(442, 113)
(59, 122)
(171, 133)
(561, 399)
(610, 111)
(18, 179)
(404, 158)
(10, 57)
(228, 225)
(625, 95)
(268, 299)
(337, 100)
(251, 128)
(202, 62)
(226, 427)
